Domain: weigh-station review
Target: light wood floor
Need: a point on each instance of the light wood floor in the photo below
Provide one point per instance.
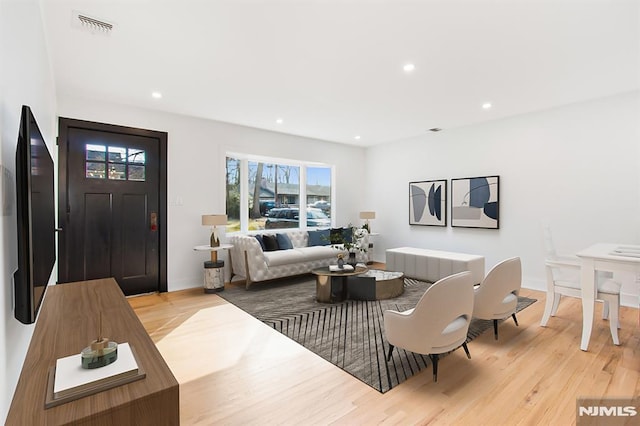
(234, 370)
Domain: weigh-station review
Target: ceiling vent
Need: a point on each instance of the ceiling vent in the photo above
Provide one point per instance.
(90, 24)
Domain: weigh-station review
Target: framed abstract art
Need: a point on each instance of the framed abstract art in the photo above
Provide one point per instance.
(475, 202)
(428, 203)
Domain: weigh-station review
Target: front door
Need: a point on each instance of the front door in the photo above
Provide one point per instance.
(112, 205)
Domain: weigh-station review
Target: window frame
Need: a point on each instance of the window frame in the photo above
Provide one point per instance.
(110, 164)
(243, 166)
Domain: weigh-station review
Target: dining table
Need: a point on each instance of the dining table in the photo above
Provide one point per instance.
(609, 257)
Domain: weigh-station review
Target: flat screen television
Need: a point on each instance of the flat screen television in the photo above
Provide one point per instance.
(35, 207)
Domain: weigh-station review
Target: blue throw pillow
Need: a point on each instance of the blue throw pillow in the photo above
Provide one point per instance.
(336, 236)
(261, 241)
(319, 238)
(347, 234)
(284, 242)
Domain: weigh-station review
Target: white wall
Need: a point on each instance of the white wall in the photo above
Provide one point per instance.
(576, 168)
(196, 172)
(25, 78)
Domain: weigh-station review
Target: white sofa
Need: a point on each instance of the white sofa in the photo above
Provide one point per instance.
(251, 263)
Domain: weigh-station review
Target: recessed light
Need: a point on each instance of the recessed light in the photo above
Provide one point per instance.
(409, 67)
(486, 105)
(156, 95)
(357, 137)
(279, 121)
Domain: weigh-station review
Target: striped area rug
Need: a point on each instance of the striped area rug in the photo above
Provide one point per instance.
(350, 334)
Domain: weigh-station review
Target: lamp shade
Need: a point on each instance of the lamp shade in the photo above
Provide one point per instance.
(214, 219)
(367, 215)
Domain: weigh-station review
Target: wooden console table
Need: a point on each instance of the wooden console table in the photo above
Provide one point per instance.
(66, 324)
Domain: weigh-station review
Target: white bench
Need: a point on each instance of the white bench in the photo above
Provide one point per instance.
(432, 265)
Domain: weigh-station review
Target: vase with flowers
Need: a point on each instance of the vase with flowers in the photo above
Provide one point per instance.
(349, 240)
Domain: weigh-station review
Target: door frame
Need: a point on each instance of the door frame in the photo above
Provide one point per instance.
(64, 124)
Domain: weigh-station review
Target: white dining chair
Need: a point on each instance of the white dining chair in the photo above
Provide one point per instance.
(563, 279)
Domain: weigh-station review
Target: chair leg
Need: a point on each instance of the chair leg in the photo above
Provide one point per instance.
(434, 361)
(549, 308)
(614, 319)
(466, 350)
(605, 309)
(495, 328)
(556, 303)
(513, 315)
(390, 352)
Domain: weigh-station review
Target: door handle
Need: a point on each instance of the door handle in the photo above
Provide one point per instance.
(153, 220)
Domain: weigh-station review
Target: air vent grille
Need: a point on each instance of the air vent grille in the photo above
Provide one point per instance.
(93, 25)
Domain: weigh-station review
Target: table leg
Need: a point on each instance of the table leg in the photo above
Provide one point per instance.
(323, 288)
(588, 286)
(343, 289)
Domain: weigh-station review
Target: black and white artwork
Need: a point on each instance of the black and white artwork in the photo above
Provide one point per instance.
(475, 202)
(428, 203)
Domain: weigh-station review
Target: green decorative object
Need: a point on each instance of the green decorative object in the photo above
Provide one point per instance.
(100, 352)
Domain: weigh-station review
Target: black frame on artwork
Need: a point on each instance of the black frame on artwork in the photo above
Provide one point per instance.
(432, 213)
(485, 213)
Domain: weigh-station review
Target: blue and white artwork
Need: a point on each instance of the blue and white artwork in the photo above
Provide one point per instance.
(475, 202)
(428, 203)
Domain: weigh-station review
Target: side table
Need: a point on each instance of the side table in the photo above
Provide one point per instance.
(370, 248)
(213, 269)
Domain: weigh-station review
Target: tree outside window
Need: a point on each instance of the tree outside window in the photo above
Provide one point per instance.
(274, 193)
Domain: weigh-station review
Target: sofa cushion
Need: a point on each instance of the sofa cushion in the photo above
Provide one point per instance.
(319, 252)
(261, 241)
(341, 235)
(336, 236)
(284, 242)
(319, 238)
(270, 242)
(283, 257)
(347, 234)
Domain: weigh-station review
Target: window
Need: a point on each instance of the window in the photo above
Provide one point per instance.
(233, 194)
(114, 163)
(272, 185)
(318, 193)
(265, 194)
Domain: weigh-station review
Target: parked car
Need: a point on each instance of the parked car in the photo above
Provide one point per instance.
(289, 218)
(265, 206)
(323, 205)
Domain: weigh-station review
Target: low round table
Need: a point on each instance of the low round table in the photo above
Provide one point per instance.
(331, 286)
(376, 285)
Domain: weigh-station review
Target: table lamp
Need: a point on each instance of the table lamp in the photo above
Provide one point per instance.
(366, 216)
(214, 220)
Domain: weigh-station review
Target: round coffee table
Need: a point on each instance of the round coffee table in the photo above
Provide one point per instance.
(376, 284)
(331, 286)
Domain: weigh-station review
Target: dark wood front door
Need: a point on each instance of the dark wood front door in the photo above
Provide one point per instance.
(112, 205)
